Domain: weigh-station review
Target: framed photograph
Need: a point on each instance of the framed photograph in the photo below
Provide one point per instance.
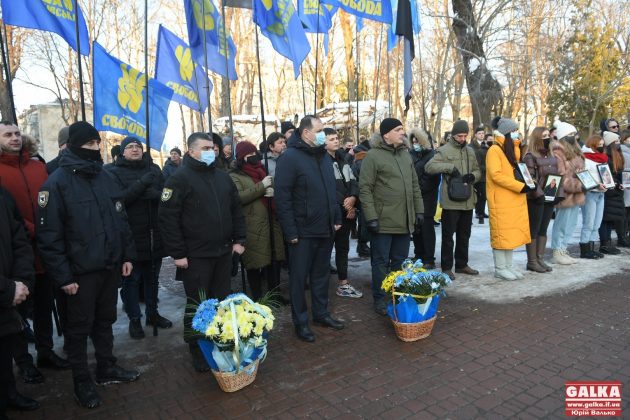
(551, 187)
(587, 179)
(527, 177)
(606, 175)
(625, 179)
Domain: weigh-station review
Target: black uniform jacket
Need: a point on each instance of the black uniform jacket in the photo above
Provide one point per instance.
(200, 212)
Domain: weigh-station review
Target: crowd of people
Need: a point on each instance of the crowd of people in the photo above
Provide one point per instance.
(77, 231)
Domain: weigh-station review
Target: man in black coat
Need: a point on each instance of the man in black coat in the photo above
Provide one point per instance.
(17, 275)
(62, 139)
(85, 243)
(305, 189)
(141, 184)
(201, 215)
(172, 163)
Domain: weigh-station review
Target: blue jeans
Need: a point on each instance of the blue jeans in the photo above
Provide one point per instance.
(388, 254)
(592, 212)
(564, 226)
(130, 293)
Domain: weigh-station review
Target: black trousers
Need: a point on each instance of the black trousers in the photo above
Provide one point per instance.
(92, 312)
(7, 381)
(480, 190)
(424, 239)
(342, 248)
(204, 275)
(309, 258)
(19, 343)
(257, 276)
(456, 222)
(43, 301)
(539, 217)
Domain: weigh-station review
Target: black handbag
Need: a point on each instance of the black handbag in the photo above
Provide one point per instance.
(457, 189)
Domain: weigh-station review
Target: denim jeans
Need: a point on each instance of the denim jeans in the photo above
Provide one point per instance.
(564, 226)
(388, 253)
(141, 276)
(592, 212)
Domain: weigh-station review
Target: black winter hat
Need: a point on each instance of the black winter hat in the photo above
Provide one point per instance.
(388, 124)
(127, 141)
(82, 132)
(62, 137)
(460, 127)
(176, 150)
(286, 126)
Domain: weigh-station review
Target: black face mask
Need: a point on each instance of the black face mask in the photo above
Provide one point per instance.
(253, 160)
(600, 149)
(546, 143)
(86, 154)
(489, 143)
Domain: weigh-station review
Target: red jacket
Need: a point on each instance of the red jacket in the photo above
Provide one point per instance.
(23, 177)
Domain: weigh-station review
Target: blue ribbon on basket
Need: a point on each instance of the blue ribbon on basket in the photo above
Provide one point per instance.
(407, 310)
(208, 348)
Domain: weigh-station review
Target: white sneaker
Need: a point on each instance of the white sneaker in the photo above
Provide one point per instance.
(560, 258)
(570, 258)
(346, 290)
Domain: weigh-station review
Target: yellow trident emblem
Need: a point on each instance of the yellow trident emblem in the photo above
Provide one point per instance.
(130, 88)
(67, 4)
(205, 12)
(186, 66)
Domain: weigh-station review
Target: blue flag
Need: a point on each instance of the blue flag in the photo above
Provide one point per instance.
(124, 112)
(56, 16)
(175, 68)
(378, 10)
(203, 14)
(308, 15)
(278, 21)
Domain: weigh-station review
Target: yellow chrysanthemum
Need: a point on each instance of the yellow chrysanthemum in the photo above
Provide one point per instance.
(244, 330)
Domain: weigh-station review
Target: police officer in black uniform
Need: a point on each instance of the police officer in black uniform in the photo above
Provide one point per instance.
(141, 183)
(85, 243)
(202, 223)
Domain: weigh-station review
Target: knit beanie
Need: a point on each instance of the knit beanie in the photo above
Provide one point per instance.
(460, 127)
(388, 124)
(227, 141)
(62, 137)
(563, 129)
(127, 141)
(286, 126)
(244, 148)
(506, 126)
(610, 138)
(82, 132)
(176, 150)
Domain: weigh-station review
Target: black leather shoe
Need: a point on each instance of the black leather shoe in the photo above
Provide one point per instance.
(198, 360)
(20, 402)
(380, 307)
(135, 329)
(329, 322)
(30, 374)
(115, 374)
(304, 333)
(159, 320)
(52, 361)
(85, 393)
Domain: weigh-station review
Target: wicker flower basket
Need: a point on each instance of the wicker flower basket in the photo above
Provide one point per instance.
(232, 382)
(415, 331)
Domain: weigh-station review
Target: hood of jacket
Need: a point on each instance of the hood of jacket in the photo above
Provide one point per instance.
(422, 136)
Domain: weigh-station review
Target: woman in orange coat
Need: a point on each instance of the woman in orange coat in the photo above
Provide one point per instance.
(509, 220)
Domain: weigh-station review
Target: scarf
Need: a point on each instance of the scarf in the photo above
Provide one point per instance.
(257, 173)
(597, 157)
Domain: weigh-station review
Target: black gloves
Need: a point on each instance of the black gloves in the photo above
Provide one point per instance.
(372, 226)
(527, 188)
(419, 221)
(148, 178)
(455, 173)
(468, 178)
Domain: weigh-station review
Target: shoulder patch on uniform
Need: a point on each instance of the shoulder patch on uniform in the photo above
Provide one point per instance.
(167, 193)
(119, 206)
(42, 199)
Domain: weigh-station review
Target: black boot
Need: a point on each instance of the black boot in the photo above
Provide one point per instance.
(85, 393)
(159, 320)
(114, 374)
(585, 252)
(17, 401)
(254, 279)
(135, 329)
(606, 247)
(595, 253)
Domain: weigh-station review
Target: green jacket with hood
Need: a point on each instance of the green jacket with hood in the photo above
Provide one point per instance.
(389, 189)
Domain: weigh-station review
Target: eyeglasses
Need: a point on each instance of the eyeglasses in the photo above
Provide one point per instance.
(612, 127)
(133, 146)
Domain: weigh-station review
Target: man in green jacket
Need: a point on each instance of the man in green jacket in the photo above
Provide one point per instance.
(391, 202)
(457, 161)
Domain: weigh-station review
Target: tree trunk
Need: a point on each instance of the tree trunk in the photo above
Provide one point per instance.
(484, 90)
(348, 42)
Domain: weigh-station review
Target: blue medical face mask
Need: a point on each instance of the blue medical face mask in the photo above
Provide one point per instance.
(207, 157)
(320, 138)
(417, 147)
(515, 135)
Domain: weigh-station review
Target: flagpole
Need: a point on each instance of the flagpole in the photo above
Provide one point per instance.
(357, 77)
(7, 70)
(378, 73)
(227, 73)
(316, 58)
(76, 28)
(389, 91)
(424, 109)
(303, 90)
(205, 58)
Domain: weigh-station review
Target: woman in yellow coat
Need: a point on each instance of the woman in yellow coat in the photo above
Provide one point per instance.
(509, 220)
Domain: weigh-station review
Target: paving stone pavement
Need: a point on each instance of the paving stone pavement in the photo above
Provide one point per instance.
(483, 360)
